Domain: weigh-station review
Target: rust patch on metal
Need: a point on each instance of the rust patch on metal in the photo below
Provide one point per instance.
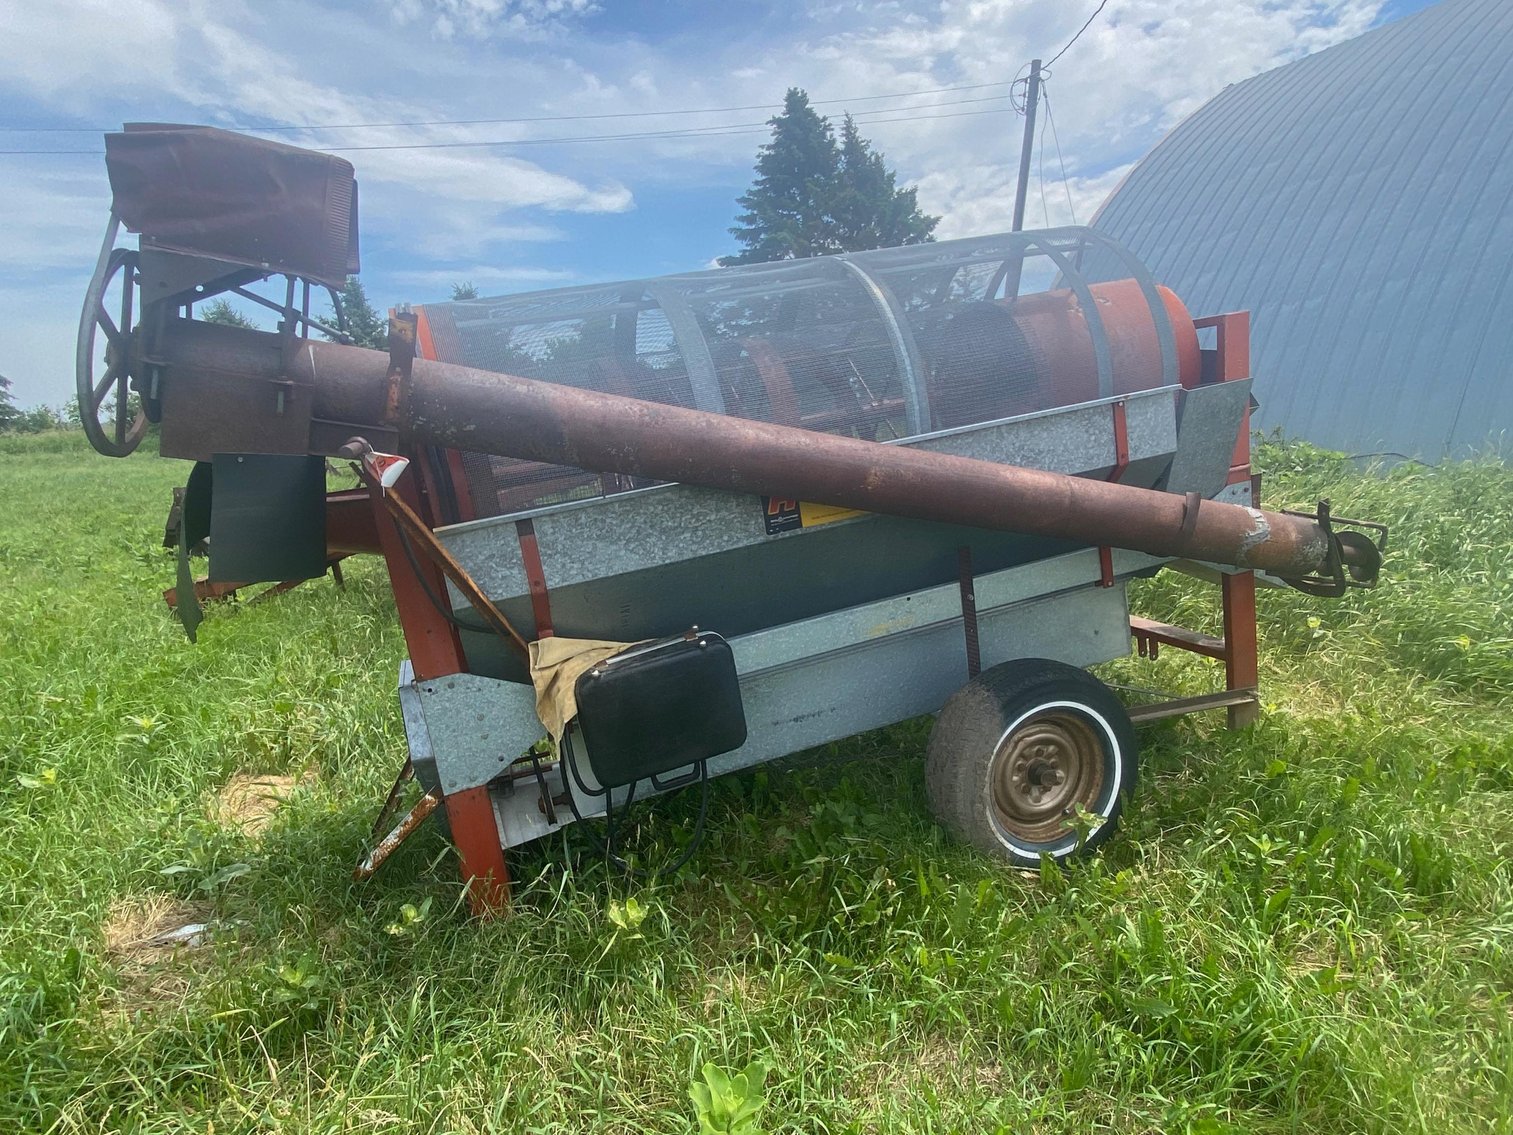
(209, 192)
(401, 359)
(401, 832)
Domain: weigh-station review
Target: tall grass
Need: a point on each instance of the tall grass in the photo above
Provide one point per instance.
(1305, 926)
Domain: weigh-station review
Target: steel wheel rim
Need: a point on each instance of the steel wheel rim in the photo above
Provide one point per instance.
(1042, 771)
(124, 434)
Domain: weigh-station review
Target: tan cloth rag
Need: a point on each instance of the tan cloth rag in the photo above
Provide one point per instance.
(556, 665)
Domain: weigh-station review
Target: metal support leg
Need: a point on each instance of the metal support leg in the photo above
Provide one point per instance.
(436, 652)
(484, 872)
(1241, 668)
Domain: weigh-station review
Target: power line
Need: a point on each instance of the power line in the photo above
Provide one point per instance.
(691, 132)
(1056, 137)
(1078, 36)
(540, 118)
(1045, 210)
(726, 130)
(96, 153)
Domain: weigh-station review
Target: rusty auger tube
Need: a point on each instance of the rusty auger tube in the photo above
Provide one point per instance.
(456, 406)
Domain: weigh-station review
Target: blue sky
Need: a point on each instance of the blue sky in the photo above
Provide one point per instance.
(536, 213)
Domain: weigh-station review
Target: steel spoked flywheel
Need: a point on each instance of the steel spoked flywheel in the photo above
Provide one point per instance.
(113, 424)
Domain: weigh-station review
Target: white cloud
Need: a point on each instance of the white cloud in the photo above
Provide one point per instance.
(980, 199)
(1138, 69)
(446, 234)
(519, 19)
(220, 61)
(54, 218)
(67, 53)
(438, 281)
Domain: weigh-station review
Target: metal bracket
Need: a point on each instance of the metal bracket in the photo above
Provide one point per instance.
(966, 581)
(401, 831)
(401, 360)
(1121, 466)
(1355, 557)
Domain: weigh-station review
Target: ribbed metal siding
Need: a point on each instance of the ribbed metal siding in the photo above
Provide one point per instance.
(1360, 203)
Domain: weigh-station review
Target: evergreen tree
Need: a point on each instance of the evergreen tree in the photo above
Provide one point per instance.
(812, 197)
(867, 210)
(220, 311)
(366, 327)
(464, 291)
(9, 413)
(784, 215)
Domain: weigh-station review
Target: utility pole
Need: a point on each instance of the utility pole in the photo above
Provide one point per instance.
(1014, 267)
(1031, 98)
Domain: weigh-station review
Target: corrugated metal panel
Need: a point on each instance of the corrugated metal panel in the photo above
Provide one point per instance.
(1360, 203)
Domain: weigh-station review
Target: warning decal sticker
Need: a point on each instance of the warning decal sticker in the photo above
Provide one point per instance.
(790, 515)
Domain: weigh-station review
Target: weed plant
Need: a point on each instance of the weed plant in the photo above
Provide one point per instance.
(1306, 926)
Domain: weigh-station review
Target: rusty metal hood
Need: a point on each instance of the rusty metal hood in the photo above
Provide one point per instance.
(209, 192)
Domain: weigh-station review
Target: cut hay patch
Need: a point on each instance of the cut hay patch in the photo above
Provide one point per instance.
(143, 929)
(248, 802)
(154, 942)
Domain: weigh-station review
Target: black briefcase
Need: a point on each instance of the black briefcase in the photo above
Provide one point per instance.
(659, 707)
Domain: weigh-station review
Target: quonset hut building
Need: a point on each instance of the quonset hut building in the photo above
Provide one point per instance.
(1359, 202)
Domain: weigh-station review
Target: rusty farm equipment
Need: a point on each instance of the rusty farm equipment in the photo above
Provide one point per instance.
(691, 524)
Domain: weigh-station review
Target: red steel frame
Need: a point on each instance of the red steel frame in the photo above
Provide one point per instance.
(1237, 591)
(436, 651)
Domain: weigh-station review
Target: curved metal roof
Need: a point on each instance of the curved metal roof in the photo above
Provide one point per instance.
(1360, 203)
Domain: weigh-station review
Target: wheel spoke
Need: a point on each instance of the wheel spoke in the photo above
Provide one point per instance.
(123, 405)
(108, 325)
(127, 276)
(112, 373)
(111, 317)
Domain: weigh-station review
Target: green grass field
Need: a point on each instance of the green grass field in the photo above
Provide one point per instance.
(1304, 927)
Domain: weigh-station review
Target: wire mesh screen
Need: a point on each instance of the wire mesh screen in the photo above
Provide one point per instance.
(805, 345)
(611, 339)
(878, 345)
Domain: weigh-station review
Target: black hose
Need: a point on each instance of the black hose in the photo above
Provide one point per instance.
(610, 855)
(694, 842)
(425, 585)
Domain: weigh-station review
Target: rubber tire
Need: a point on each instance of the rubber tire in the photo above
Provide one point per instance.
(976, 720)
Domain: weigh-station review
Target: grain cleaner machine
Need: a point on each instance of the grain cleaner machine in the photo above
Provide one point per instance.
(691, 524)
